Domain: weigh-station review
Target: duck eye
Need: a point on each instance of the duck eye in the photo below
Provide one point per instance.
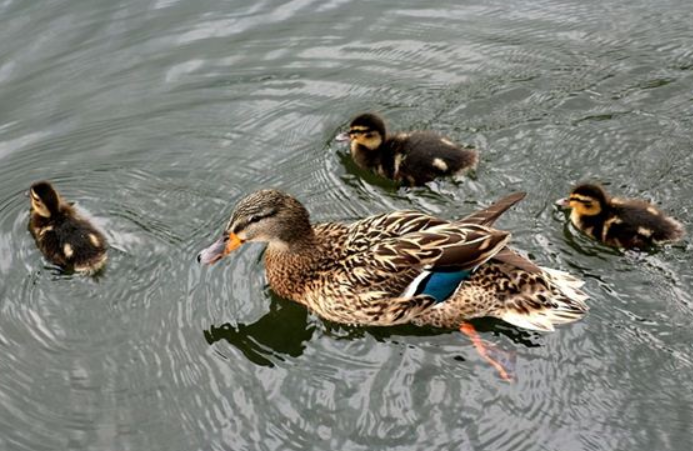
(260, 216)
(255, 218)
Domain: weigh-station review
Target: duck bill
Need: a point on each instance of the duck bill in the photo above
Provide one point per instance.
(564, 203)
(343, 137)
(219, 249)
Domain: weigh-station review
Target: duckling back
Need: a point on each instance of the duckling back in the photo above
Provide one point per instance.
(636, 223)
(424, 156)
(69, 241)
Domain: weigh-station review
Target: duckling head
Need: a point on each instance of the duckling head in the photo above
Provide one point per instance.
(269, 216)
(45, 200)
(586, 200)
(365, 130)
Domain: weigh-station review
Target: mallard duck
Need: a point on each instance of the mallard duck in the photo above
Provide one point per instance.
(400, 267)
(622, 223)
(64, 238)
(412, 158)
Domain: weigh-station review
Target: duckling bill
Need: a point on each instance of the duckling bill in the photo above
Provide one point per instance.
(622, 223)
(65, 238)
(413, 158)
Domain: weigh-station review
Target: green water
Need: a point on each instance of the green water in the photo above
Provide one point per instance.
(156, 117)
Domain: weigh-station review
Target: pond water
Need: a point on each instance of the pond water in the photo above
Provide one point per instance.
(156, 117)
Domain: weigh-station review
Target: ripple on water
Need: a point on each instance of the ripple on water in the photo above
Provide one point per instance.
(156, 119)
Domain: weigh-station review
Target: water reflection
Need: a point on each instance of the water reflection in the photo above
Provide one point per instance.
(283, 331)
(287, 327)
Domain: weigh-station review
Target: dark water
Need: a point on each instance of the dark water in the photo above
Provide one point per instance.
(155, 117)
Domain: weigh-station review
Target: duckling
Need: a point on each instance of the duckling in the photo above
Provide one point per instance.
(622, 223)
(413, 158)
(64, 238)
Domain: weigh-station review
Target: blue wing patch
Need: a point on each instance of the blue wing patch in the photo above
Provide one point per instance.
(440, 285)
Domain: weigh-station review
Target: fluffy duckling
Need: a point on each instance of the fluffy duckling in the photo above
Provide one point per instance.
(411, 158)
(623, 223)
(64, 238)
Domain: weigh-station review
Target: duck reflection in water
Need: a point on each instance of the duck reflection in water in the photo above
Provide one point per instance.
(281, 332)
(284, 331)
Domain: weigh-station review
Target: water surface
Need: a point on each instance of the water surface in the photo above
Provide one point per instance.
(156, 117)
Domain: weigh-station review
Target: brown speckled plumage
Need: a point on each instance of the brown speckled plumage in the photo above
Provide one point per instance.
(358, 273)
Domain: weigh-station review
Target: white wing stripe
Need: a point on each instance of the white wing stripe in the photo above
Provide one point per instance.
(411, 289)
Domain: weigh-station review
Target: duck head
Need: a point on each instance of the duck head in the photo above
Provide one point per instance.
(269, 216)
(45, 200)
(586, 200)
(365, 130)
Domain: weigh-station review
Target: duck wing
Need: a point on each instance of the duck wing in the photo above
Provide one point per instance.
(399, 223)
(398, 265)
(399, 278)
(444, 247)
(489, 215)
(362, 235)
(512, 258)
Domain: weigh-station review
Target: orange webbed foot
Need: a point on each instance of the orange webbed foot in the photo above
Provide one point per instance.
(502, 361)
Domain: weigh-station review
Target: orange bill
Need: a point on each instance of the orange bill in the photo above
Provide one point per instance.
(219, 249)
